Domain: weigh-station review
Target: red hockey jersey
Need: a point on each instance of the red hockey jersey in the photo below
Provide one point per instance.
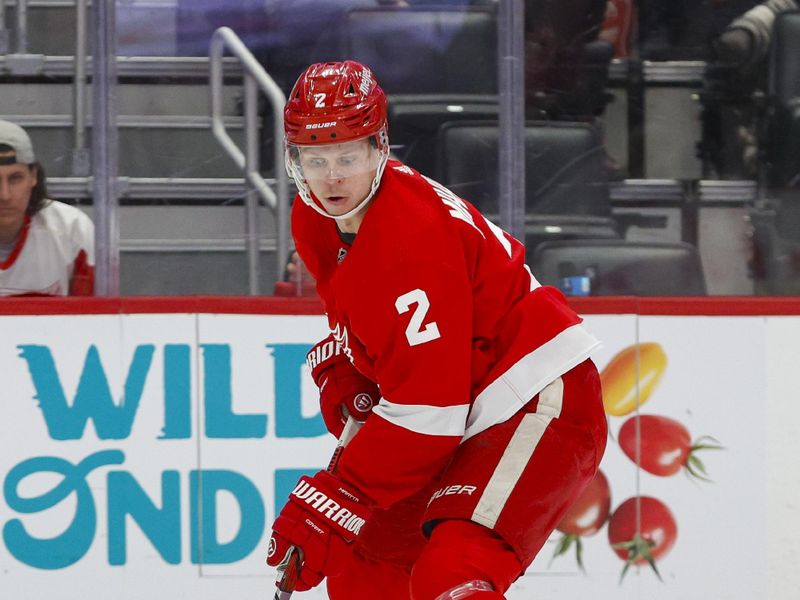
(434, 303)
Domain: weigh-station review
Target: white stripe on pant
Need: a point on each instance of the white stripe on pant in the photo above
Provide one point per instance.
(519, 451)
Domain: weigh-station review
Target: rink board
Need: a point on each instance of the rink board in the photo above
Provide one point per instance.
(148, 443)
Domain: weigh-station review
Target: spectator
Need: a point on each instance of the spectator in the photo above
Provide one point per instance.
(737, 75)
(618, 25)
(746, 41)
(297, 280)
(46, 247)
(565, 66)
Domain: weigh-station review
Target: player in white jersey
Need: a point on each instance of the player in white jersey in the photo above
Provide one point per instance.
(46, 247)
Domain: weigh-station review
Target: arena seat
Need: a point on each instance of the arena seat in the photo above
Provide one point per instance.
(425, 50)
(621, 268)
(566, 186)
(414, 122)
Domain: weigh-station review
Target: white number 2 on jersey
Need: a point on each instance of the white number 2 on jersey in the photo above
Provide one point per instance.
(415, 332)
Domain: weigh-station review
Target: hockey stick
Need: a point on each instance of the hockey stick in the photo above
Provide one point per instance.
(289, 568)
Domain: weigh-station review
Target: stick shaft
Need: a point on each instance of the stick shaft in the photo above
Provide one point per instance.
(294, 558)
(350, 429)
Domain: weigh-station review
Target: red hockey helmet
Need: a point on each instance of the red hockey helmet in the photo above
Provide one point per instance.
(335, 103)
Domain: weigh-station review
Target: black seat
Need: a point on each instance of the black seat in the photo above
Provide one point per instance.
(566, 183)
(427, 58)
(436, 63)
(565, 169)
(300, 32)
(784, 89)
(433, 50)
(622, 268)
(415, 120)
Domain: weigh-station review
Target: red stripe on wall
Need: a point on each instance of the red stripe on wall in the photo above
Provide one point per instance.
(711, 306)
(689, 306)
(38, 305)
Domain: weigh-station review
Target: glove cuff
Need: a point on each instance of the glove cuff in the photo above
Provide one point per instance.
(337, 507)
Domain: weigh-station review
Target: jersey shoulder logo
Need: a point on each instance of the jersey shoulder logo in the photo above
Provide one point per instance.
(404, 169)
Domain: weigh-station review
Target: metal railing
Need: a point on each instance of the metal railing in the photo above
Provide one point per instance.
(105, 149)
(142, 67)
(22, 26)
(19, 61)
(188, 190)
(511, 119)
(248, 162)
(80, 154)
(4, 37)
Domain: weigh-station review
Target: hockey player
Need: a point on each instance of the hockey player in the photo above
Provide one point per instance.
(487, 420)
(46, 247)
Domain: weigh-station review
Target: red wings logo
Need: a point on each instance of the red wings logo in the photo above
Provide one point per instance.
(341, 336)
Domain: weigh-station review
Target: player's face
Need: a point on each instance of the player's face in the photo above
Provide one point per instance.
(16, 183)
(340, 175)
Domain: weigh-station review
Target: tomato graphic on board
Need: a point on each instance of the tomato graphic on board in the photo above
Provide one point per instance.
(645, 537)
(665, 446)
(631, 376)
(585, 517)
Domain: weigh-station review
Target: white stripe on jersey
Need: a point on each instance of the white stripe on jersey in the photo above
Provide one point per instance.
(425, 419)
(517, 455)
(502, 398)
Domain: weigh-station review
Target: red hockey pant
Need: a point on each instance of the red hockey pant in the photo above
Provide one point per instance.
(521, 476)
(482, 555)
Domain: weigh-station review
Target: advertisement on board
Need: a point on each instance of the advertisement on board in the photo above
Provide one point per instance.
(146, 455)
